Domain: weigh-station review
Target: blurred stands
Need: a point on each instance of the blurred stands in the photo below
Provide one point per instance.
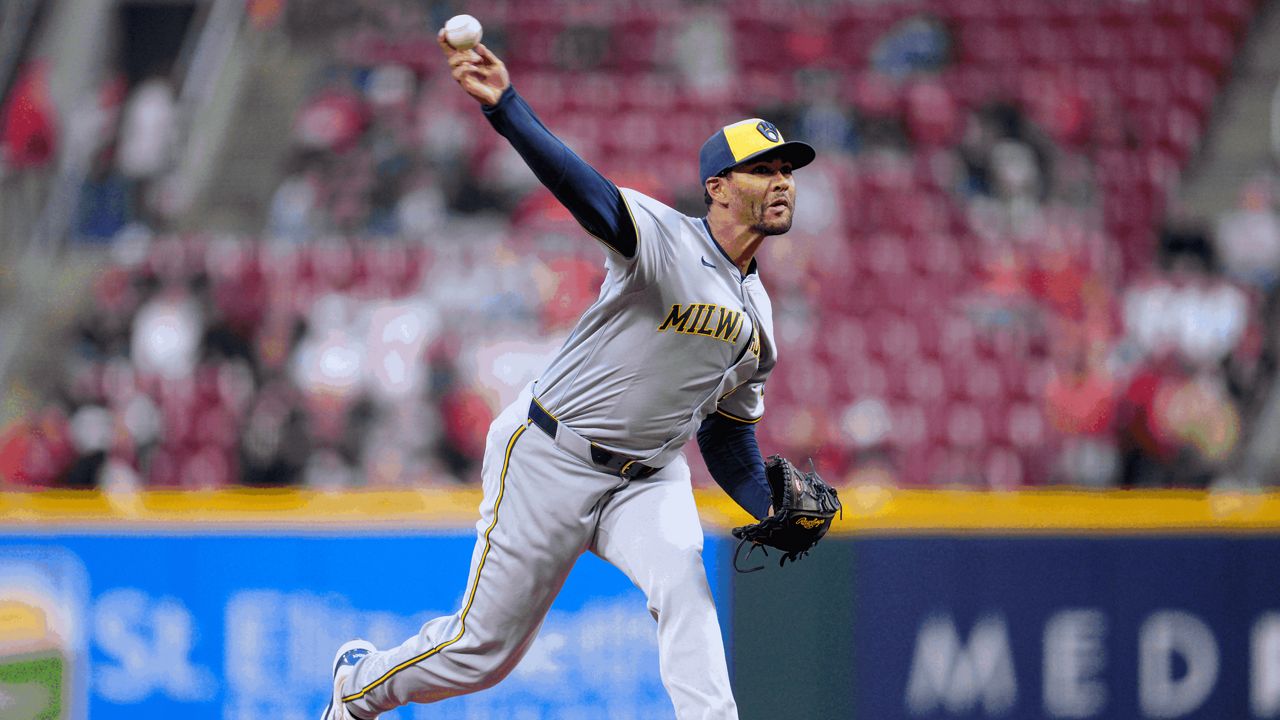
(980, 289)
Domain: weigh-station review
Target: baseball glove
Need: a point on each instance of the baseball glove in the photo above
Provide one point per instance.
(803, 508)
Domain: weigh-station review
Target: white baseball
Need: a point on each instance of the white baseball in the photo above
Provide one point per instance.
(463, 32)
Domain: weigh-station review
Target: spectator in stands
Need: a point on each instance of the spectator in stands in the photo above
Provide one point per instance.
(28, 143)
(702, 52)
(932, 115)
(880, 126)
(445, 134)
(166, 333)
(1187, 309)
(274, 442)
(919, 44)
(823, 121)
(1248, 238)
(582, 46)
(36, 451)
(148, 140)
(28, 122)
(391, 165)
(292, 215)
(106, 203)
(1148, 451)
(421, 211)
(1004, 155)
(334, 118)
(1081, 398)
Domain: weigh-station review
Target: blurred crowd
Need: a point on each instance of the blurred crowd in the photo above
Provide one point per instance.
(986, 284)
(210, 361)
(132, 129)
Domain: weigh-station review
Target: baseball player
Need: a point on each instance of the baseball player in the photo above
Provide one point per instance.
(679, 343)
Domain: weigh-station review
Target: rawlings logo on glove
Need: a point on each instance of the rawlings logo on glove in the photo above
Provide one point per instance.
(803, 508)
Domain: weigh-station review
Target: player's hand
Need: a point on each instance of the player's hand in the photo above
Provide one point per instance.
(477, 70)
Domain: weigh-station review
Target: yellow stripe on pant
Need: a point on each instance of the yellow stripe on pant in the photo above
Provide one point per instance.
(502, 487)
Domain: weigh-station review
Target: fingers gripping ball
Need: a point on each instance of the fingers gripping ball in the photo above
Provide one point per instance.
(463, 32)
(803, 508)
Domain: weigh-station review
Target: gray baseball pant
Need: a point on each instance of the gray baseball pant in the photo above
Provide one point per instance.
(543, 508)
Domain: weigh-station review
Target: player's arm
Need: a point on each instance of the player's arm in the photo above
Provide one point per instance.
(733, 456)
(594, 201)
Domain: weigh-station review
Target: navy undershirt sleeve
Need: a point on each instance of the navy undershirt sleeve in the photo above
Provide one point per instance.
(594, 201)
(733, 457)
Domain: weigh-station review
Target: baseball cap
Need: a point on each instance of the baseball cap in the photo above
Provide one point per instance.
(747, 140)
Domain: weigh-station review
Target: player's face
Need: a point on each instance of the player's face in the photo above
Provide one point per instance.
(764, 195)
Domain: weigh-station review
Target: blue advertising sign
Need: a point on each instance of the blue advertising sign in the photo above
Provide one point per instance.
(1113, 628)
(244, 626)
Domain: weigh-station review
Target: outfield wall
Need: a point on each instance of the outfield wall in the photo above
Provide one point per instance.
(1035, 605)
(921, 605)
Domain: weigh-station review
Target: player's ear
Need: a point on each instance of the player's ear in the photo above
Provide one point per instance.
(717, 189)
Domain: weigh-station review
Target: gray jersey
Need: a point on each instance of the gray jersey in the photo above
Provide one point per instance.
(677, 334)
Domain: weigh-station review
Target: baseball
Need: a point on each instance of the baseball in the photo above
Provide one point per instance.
(463, 31)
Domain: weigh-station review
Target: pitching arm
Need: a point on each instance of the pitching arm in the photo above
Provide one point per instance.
(594, 201)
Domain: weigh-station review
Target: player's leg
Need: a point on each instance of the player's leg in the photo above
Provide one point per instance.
(529, 536)
(650, 530)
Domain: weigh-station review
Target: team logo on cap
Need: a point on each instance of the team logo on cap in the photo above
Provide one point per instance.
(769, 131)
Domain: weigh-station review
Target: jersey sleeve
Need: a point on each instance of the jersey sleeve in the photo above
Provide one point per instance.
(733, 459)
(745, 403)
(656, 230)
(591, 198)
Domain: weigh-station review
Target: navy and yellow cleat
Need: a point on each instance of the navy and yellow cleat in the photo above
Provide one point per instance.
(344, 666)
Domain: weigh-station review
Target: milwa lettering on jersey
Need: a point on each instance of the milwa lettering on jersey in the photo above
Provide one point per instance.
(706, 319)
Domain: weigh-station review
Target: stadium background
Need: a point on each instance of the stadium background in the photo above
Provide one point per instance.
(266, 277)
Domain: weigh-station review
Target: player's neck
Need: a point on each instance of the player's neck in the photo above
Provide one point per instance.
(738, 240)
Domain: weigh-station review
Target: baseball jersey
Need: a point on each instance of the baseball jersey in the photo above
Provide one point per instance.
(677, 333)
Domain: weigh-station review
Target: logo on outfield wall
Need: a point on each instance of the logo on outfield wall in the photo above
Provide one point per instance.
(42, 601)
(959, 674)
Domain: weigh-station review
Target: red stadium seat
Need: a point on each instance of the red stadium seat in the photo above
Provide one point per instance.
(1003, 468)
(965, 426)
(1193, 85)
(983, 44)
(1025, 426)
(982, 382)
(1043, 43)
(1209, 45)
(637, 51)
(1231, 13)
(923, 379)
(909, 428)
(862, 379)
(648, 91)
(1098, 44)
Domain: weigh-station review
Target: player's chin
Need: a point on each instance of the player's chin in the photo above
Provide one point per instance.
(775, 223)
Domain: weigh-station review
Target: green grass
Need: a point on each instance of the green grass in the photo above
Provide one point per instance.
(33, 685)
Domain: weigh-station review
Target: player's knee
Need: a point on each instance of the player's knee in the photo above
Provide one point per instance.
(483, 670)
(681, 570)
(484, 680)
(686, 559)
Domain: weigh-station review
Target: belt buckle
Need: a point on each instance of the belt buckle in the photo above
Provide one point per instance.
(624, 471)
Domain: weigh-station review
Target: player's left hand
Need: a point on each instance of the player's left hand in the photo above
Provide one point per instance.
(803, 509)
(477, 70)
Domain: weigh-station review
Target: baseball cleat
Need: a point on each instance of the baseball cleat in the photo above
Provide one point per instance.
(344, 666)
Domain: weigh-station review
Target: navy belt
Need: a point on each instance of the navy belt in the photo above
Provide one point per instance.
(620, 465)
